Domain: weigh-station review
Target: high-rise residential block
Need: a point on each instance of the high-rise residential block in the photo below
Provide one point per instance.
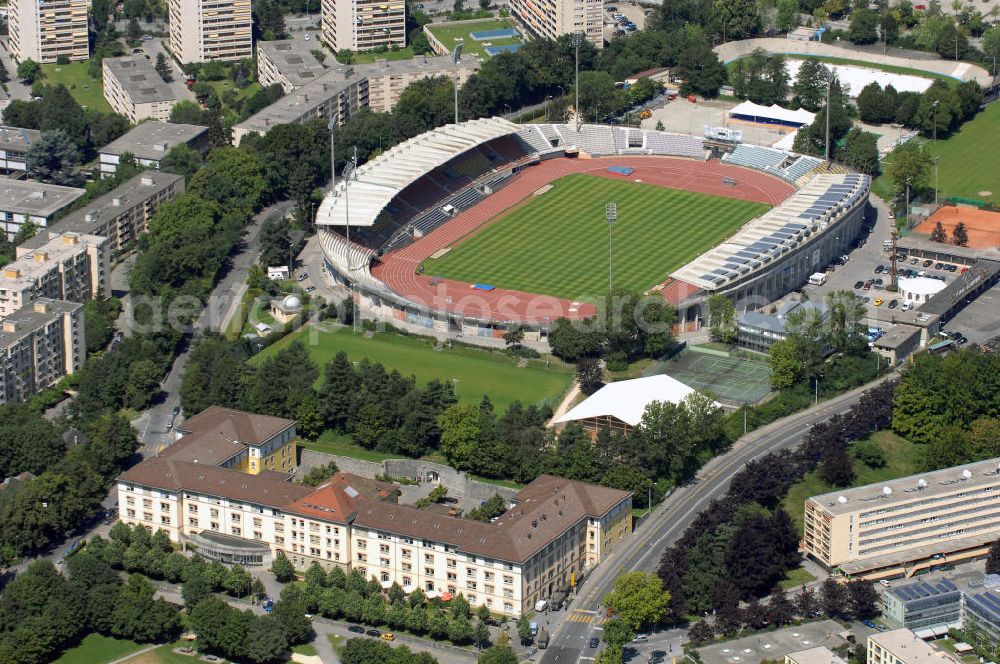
(202, 30)
(39, 345)
(549, 19)
(43, 30)
(363, 25)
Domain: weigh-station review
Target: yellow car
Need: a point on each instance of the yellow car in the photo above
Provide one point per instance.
(878, 302)
(388, 636)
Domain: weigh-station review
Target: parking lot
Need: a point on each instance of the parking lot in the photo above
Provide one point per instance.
(627, 13)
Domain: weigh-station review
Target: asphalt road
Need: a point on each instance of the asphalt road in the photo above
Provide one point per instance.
(154, 432)
(572, 628)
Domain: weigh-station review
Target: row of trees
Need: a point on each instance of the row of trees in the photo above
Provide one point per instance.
(939, 110)
(712, 566)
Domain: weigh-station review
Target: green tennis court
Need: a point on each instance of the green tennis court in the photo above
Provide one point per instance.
(733, 378)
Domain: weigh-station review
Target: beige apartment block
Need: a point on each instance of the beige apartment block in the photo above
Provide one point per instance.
(550, 19)
(201, 491)
(14, 145)
(202, 30)
(42, 30)
(71, 267)
(289, 63)
(150, 142)
(39, 345)
(22, 201)
(362, 25)
(818, 655)
(908, 524)
(134, 89)
(901, 646)
(120, 215)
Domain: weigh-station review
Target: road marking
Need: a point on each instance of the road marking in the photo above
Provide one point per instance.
(584, 611)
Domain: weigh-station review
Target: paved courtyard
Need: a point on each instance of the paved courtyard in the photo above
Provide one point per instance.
(774, 645)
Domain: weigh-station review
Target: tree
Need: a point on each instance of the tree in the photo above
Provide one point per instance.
(908, 163)
(28, 71)
(869, 453)
(163, 68)
(524, 629)
(863, 600)
(722, 318)
(4, 74)
(590, 375)
(514, 336)
(143, 384)
(860, 151)
(282, 568)
(960, 235)
(571, 341)
(786, 364)
(60, 111)
(638, 599)
(939, 110)
(735, 19)
(984, 437)
(837, 468)
(188, 112)
(232, 177)
(53, 158)
(498, 655)
(140, 617)
(833, 598)
(888, 27)
(701, 631)
(809, 89)
(264, 640)
(938, 234)
(700, 68)
(788, 15)
(597, 96)
(864, 27)
(993, 560)
(106, 127)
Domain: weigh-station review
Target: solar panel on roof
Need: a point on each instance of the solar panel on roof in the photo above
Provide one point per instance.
(948, 584)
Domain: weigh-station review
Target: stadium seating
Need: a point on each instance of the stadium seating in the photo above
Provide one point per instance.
(754, 156)
(471, 165)
(800, 167)
(592, 139)
(674, 145)
(349, 259)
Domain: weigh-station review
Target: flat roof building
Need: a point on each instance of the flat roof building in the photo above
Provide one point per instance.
(757, 330)
(70, 267)
(14, 145)
(150, 142)
(134, 89)
(289, 63)
(363, 25)
(905, 525)
(898, 343)
(203, 489)
(982, 608)
(551, 20)
(22, 200)
(203, 30)
(818, 655)
(120, 215)
(345, 89)
(43, 30)
(901, 646)
(923, 605)
(39, 345)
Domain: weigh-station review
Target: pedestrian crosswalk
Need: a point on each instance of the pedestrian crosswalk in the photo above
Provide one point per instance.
(579, 616)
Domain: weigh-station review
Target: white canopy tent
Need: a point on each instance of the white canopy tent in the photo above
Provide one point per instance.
(772, 114)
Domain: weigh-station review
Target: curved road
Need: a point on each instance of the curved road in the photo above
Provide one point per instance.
(669, 521)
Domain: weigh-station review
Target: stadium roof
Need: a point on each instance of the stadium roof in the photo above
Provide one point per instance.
(626, 400)
(380, 180)
(805, 215)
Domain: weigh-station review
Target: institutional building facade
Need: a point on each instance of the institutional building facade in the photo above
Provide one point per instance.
(39, 345)
(201, 490)
(908, 524)
(550, 19)
(363, 25)
(202, 30)
(43, 30)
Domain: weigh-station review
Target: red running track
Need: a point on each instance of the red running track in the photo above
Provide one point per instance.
(398, 269)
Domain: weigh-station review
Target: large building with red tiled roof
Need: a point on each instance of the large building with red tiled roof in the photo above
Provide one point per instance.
(553, 532)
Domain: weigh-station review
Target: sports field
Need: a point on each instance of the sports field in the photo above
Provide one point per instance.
(733, 378)
(477, 372)
(556, 243)
(451, 34)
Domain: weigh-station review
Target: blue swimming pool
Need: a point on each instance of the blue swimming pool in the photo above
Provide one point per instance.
(501, 33)
(506, 48)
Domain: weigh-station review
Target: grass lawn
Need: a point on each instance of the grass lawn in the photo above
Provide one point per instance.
(307, 649)
(259, 314)
(96, 649)
(87, 91)
(476, 371)
(901, 460)
(453, 35)
(227, 84)
(401, 54)
(331, 442)
(796, 578)
(337, 641)
(557, 243)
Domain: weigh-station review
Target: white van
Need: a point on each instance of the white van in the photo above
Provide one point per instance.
(817, 279)
(906, 306)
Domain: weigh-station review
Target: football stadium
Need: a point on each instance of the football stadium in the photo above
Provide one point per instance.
(472, 227)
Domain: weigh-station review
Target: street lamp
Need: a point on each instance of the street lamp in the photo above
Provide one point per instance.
(333, 165)
(507, 106)
(906, 213)
(829, 84)
(547, 107)
(347, 176)
(611, 214)
(935, 105)
(456, 55)
(937, 161)
(577, 40)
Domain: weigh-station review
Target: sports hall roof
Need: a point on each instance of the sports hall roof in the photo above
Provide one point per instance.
(626, 400)
(380, 180)
(800, 218)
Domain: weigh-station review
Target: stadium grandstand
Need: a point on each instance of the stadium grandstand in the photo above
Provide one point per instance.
(368, 223)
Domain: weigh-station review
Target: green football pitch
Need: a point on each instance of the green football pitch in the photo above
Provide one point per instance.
(557, 242)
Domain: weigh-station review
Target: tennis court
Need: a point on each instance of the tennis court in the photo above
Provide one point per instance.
(734, 378)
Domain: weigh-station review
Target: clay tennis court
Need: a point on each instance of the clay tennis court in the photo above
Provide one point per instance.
(983, 226)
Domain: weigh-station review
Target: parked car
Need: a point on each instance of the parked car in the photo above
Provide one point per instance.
(374, 632)
(928, 263)
(859, 284)
(878, 302)
(594, 642)
(878, 269)
(938, 266)
(641, 637)
(913, 261)
(893, 304)
(879, 282)
(356, 629)
(388, 636)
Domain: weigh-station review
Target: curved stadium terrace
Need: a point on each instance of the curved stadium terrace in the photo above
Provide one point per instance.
(423, 195)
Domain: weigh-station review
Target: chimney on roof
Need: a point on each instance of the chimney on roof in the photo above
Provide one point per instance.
(147, 181)
(160, 147)
(90, 216)
(117, 201)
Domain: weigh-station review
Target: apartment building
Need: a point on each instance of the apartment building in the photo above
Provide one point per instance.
(345, 89)
(150, 142)
(43, 30)
(550, 19)
(134, 89)
(70, 267)
(553, 534)
(906, 525)
(26, 200)
(289, 63)
(241, 441)
(120, 215)
(202, 30)
(362, 25)
(14, 145)
(901, 646)
(39, 345)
